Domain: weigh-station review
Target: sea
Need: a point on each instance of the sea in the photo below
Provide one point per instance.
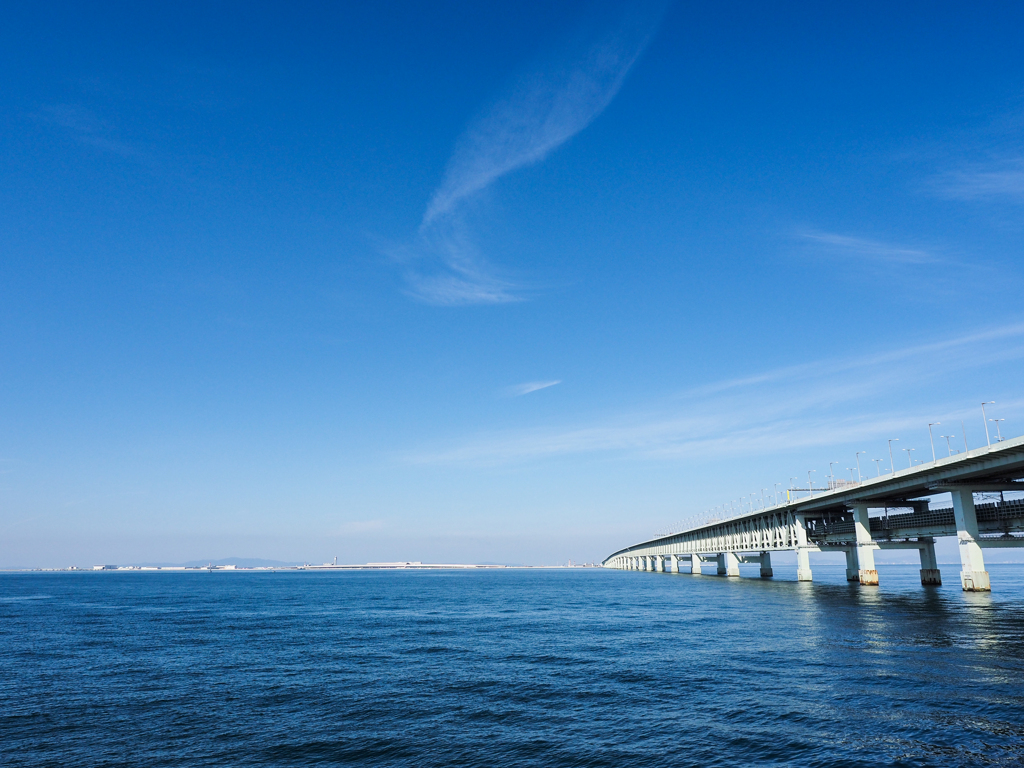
(511, 667)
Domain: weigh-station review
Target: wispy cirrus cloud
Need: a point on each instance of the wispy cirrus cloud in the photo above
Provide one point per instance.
(541, 111)
(1002, 178)
(86, 128)
(797, 406)
(530, 386)
(864, 247)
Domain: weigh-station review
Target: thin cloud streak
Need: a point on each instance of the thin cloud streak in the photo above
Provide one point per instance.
(993, 180)
(873, 249)
(531, 386)
(544, 109)
(795, 406)
(86, 128)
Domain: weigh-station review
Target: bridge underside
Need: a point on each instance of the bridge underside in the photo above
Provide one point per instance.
(842, 521)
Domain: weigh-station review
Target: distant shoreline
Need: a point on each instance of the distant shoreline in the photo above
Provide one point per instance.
(398, 566)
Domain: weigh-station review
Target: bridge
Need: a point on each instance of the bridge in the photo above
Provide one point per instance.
(857, 518)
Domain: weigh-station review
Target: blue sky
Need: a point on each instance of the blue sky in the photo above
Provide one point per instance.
(488, 282)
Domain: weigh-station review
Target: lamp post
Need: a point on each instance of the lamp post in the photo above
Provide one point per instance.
(831, 472)
(776, 493)
(792, 484)
(984, 419)
(999, 435)
(810, 485)
(851, 475)
(878, 467)
(949, 448)
(860, 477)
(930, 438)
(910, 461)
(762, 497)
(892, 464)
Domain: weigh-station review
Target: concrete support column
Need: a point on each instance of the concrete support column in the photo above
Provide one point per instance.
(728, 564)
(659, 564)
(695, 563)
(973, 575)
(649, 564)
(803, 562)
(866, 572)
(673, 563)
(766, 565)
(930, 575)
(851, 565)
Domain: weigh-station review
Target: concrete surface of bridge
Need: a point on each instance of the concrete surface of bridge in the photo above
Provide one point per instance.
(887, 512)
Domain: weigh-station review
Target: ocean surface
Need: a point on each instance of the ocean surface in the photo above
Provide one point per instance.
(581, 667)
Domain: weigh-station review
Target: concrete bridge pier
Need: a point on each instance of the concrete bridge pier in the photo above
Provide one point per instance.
(930, 575)
(766, 565)
(659, 564)
(866, 572)
(851, 565)
(673, 563)
(728, 564)
(973, 575)
(695, 563)
(803, 561)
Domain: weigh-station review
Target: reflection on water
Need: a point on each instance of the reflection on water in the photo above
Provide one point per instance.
(582, 667)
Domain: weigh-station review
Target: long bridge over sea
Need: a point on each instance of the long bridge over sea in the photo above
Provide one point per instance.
(857, 518)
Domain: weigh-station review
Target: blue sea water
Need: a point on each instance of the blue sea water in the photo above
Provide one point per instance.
(582, 667)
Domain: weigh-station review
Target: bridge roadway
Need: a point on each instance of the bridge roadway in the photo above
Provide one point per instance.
(887, 512)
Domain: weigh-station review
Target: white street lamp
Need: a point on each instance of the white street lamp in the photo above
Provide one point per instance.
(999, 435)
(910, 461)
(878, 467)
(860, 477)
(810, 485)
(984, 419)
(949, 448)
(892, 464)
(930, 438)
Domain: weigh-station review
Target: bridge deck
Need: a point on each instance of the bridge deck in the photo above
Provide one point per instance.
(829, 520)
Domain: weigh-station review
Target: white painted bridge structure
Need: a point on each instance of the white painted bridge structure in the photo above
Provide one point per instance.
(888, 512)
